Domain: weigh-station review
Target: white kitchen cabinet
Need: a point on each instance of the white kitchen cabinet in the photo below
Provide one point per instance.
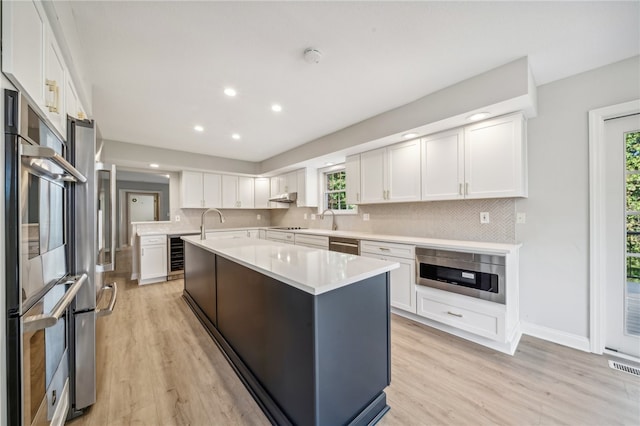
(391, 174)
(280, 236)
(291, 182)
(403, 279)
(240, 233)
(200, 190)
(54, 81)
(443, 166)
(495, 158)
(262, 193)
(153, 259)
(352, 171)
(314, 241)
(237, 192)
(23, 36)
(307, 187)
(277, 187)
(73, 106)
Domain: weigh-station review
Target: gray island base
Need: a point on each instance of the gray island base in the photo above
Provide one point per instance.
(307, 359)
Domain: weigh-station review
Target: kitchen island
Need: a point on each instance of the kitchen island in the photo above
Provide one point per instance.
(306, 330)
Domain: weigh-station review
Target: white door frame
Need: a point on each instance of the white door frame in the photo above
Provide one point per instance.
(597, 249)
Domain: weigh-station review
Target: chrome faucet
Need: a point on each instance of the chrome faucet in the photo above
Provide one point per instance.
(203, 233)
(333, 220)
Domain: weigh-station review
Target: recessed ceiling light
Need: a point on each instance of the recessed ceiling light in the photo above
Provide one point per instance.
(409, 135)
(328, 164)
(198, 128)
(230, 91)
(167, 176)
(235, 136)
(154, 165)
(478, 116)
(276, 107)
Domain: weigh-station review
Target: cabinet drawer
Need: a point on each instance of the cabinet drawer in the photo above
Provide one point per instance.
(473, 316)
(285, 237)
(389, 249)
(153, 239)
(312, 240)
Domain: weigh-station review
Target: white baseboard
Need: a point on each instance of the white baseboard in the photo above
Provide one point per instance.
(556, 336)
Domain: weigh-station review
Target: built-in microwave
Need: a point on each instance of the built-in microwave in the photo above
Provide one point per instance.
(472, 274)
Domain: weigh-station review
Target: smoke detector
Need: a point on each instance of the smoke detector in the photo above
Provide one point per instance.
(312, 55)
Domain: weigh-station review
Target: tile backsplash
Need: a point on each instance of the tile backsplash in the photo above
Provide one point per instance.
(455, 220)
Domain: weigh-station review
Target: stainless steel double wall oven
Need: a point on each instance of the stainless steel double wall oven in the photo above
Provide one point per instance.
(50, 289)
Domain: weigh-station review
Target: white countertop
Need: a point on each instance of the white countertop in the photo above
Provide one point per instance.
(314, 271)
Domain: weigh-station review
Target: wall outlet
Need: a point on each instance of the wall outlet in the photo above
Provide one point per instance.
(484, 217)
(365, 216)
(305, 216)
(177, 218)
(521, 217)
(313, 216)
(258, 217)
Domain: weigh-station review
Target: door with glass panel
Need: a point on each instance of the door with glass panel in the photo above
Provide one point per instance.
(622, 238)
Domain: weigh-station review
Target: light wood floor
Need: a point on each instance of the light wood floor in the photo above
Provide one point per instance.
(157, 366)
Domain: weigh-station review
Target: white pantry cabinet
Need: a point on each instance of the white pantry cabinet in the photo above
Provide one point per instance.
(391, 174)
(352, 171)
(200, 190)
(237, 192)
(495, 158)
(403, 279)
(153, 259)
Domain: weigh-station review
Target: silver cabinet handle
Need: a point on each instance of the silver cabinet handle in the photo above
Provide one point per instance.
(357, 196)
(460, 189)
(454, 314)
(142, 251)
(38, 322)
(466, 188)
(112, 303)
(384, 248)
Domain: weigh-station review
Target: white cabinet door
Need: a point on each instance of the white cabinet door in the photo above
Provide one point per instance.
(352, 170)
(245, 192)
(23, 34)
(495, 163)
(229, 192)
(262, 193)
(402, 171)
(443, 166)
(291, 182)
(402, 282)
(307, 183)
(277, 187)
(71, 99)
(372, 165)
(211, 190)
(191, 190)
(153, 261)
(54, 80)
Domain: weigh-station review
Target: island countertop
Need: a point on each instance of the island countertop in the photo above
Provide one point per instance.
(314, 271)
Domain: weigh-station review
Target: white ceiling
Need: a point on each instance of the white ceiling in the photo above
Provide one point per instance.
(159, 68)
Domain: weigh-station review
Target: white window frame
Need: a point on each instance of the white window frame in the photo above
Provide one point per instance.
(322, 183)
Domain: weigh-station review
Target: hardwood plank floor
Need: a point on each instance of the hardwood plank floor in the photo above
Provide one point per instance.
(158, 366)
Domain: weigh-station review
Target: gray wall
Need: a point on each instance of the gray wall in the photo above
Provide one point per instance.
(164, 208)
(555, 254)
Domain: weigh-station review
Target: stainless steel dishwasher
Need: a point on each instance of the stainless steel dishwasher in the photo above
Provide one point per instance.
(344, 245)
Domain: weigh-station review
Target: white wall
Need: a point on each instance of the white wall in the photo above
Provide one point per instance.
(555, 254)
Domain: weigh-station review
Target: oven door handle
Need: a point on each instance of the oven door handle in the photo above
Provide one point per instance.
(46, 153)
(112, 303)
(41, 321)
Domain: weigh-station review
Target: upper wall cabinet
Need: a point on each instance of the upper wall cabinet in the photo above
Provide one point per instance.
(352, 170)
(443, 166)
(495, 158)
(391, 174)
(262, 193)
(237, 192)
(307, 187)
(72, 102)
(54, 82)
(484, 160)
(200, 190)
(23, 33)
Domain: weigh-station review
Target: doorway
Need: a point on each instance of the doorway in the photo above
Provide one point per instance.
(141, 207)
(615, 230)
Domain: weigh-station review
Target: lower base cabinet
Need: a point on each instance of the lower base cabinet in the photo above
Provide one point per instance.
(153, 259)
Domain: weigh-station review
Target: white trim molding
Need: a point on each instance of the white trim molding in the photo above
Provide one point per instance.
(556, 336)
(597, 235)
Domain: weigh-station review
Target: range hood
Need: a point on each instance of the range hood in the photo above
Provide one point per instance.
(287, 197)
